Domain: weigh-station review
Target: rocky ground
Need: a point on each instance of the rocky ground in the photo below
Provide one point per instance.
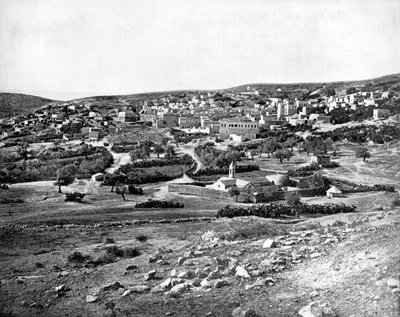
(339, 265)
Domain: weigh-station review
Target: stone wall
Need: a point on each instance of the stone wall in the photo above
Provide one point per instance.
(199, 191)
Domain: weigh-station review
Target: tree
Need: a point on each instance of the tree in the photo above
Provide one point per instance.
(363, 152)
(65, 176)
(234, 191)
(170, 152)
(158, 149)
(270, 146)
(281, 155)
(121, 190)
(293, 199)
(290, 143)
(327, 145)
(252, 154)
(285, 180)
(114, 179)
(247, 192)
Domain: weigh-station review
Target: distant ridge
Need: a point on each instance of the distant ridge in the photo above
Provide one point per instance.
(14, 104)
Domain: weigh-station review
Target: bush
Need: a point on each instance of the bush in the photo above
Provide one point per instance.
(225, 170)
(109, 240)
(78, 257)
(293, 199)
(276, 210)
(141, 238)
(160, 204)
(135, 190)
(75, 196)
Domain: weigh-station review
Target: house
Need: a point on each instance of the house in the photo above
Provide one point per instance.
(185, 122)
(333, 192)
(320, 159)
(239, 126)
(380, 114)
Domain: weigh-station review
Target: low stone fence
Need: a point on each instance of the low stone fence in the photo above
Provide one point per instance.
(198, 191)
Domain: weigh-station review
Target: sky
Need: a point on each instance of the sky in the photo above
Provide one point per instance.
(64, 49)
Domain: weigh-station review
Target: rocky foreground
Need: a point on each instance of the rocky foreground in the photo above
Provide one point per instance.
(340, 265)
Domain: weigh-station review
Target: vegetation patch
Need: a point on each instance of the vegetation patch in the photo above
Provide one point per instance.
(276, 210)
(160, 204)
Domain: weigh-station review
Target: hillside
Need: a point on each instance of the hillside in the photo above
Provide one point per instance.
(14, 104)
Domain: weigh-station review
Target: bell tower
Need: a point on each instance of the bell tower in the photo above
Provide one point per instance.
(232, 170)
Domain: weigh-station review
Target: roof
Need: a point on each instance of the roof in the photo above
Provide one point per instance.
(334, 190)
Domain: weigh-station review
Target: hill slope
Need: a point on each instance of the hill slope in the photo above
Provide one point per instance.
(13, 104)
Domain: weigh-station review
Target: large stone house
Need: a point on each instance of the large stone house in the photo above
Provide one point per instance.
(238, 126)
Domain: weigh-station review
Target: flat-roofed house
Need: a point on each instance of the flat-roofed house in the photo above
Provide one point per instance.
(239, 126)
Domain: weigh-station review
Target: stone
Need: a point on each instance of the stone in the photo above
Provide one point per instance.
(140, 288)
(182, 260)
(314, 294)
(393, 283)
(150, 275)
(176, 281)
(184, 274)
(220, 283)
(200, 273)
(241, 272)
(131, 267)
(178, 290)
(315, 255)
(163, 286)
(205, 284)
(269, 243)
(315, 310)
(239, 312)
(126, 292)
(173, 273)
(213, 275)
(195, 282)
(60, 288)
(210, 236)
(112, 286)
(91, 298)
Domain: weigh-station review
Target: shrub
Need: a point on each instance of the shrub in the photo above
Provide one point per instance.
(141, 238)
(109, 240)
(131, 252)
(225, 170)
(114, 251)
(160, 204)
(77, 257)
(75, 196)
(293, 199)
(285, 180)
(135, 190)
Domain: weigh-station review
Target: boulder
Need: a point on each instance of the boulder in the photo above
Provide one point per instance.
(178, 290)
(163, 286)
(239, 312)
(150, 275)
(269, 243)
(241, 272)
(111, 286)
(140, 288)
(393, 283)
(315, 310)
(91, 298)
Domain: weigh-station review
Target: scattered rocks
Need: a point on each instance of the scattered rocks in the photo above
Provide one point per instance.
(241, 272)
(210, 236)
(91, 298)
(315, 310)
(393, 283)
(269, 243)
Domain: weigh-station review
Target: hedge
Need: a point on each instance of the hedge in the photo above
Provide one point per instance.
(225, 170)
(276, 210)
(160, 204)
(310, 169)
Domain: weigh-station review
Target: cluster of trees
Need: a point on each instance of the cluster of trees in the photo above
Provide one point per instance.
(211, 156)
(363, 133)
(183, 137)
(18, 166)
(318, 145)
(144, 150)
